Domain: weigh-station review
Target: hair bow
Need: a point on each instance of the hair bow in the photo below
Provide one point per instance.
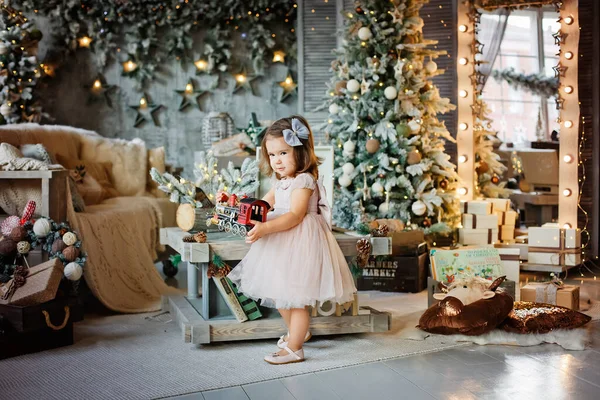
(298, 131)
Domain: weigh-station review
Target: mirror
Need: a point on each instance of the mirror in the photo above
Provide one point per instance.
(517, 70)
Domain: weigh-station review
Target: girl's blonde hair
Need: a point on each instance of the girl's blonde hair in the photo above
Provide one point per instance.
(305, 157)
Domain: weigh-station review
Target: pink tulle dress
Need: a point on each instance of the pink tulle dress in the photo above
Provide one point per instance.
(300, 266)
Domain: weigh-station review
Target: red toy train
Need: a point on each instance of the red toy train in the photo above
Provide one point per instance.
(235, 216)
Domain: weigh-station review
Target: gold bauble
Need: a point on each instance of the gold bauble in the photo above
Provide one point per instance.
(413, 157)
(482, 168)
(339, 86)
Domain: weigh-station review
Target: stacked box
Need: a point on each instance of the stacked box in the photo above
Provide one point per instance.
(507, 219)
(548, 292)
(552, 245)
(479, 223)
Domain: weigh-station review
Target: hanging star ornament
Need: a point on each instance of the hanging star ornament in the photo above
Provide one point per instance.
(190, 96)
(396, 15)
(364, 86)
(289, 87)
(99, 89)
(559, 37)
(144, 109)
(559, 70)
(243, 80)
(344, 71)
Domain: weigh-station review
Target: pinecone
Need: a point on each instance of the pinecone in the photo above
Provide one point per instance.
(19, 280)
(20, 270)
(189, 239)
(200, 237)
(381, 231)
(363, 248)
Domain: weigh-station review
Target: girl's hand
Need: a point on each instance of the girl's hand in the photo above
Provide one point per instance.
(257, 232)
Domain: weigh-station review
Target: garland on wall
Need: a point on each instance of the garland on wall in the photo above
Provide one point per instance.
(143, 36)
(538, 84)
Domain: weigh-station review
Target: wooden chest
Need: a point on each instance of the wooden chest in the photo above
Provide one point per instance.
(398, 273)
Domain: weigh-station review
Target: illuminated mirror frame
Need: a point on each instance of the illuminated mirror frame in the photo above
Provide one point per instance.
(568, 100)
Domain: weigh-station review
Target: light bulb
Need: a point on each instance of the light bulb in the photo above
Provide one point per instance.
(462, 191)
(463, 61)
(85, 41)
(129, 66)
(288, 81)
(568, 124)
(568, 55)
(463, 126)
(97, 84)
(143, 102)
(568, 20)
(462, 158)
(567, 192)
(567, 226)
(568, 158)
(189, 88)
(463, 28)
(568, 89)
(463, 93)
(201, 65)
(240, 78)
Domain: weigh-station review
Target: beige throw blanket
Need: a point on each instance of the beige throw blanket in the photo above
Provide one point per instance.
(120, 237)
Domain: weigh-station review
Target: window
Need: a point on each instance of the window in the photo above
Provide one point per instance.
(528, 47)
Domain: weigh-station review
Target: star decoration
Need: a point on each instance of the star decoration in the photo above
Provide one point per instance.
(99, 89)
(344, 70)
(244, 80)
(396, 15)
(289, 87)
(187, 94)
(559, 70)
(559, 103)
(364, 86)
(474, 16)
(146, 104)
(278, 56)
(559, 37)
(477, 47)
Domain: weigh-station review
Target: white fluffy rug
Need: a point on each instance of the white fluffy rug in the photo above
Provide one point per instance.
(141, 357)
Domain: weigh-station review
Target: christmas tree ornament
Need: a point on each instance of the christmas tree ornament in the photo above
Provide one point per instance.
(364, 33)
(403, 129)
(512, 183)
(8, 224)
(349, 148)
(495, 179)
(392, 53)
(3, 49)
(482, 168)
(353, 86)
(23, 247)
(5, 109)
(413, 157)
(7, 247)
(377, 188)
(364, 86)
(384, 208)
(41, 227)
(418, 208)
(431, 67)
(69, 238)
(73, 271)
(18, 233)
(426, 223)
(348, 168)
(344, 181)
(58, 246)
(444, 184)
(390, 93)
(414, 126)
(70, 253)
(359, 10)
(372, 146)
(28, 211)
(340, 86)
(334, 108)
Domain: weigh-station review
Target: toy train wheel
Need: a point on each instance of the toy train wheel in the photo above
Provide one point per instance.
(235, 229)
(243, 231)
(228, 227)
(221, 225)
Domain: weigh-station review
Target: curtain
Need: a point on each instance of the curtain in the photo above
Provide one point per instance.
(491, 32)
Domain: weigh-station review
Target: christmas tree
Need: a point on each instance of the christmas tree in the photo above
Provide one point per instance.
(19, 69)
(389, 143)
(488, 166)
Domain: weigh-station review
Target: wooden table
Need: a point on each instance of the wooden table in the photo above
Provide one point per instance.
(205, 317)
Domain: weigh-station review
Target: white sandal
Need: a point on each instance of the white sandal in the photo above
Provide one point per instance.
(291, 357)
(282, 343)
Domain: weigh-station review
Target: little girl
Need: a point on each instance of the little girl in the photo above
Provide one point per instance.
(294, 260)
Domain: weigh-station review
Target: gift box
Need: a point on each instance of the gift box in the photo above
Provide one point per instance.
(474, 221)
(522, 247)
(506, 233)
(40, 286)
(477, 236)
(554, 246)
(477, 207)
(499, 204)
(550, 293)
(507, 217)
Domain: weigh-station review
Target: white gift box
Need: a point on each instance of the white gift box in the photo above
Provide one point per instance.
(554, 246)
(474, 221)
(499, 204)
(477, 236)
(477, 207)
(506, 217)
(522, 247)
(557, 258)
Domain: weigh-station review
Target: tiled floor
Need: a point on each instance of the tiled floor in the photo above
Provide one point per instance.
(544, 372)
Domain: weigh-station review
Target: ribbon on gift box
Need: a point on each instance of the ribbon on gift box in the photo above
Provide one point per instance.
(510, 257)
(490, 236)
(545, 292)
(560, 251)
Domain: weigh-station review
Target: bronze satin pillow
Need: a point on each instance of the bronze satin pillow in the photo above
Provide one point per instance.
(528, 317)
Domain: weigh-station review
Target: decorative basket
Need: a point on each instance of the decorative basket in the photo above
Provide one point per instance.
(217, 126)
